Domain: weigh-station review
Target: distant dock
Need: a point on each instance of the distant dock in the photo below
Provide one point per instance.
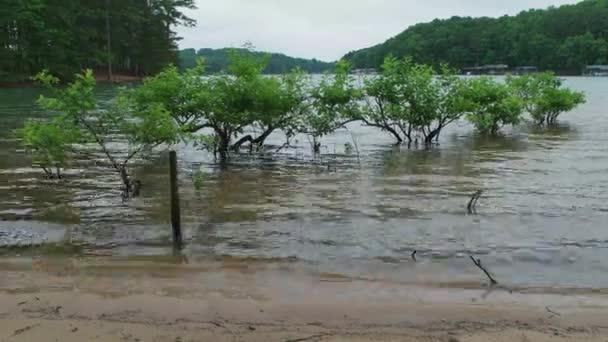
(596, 70)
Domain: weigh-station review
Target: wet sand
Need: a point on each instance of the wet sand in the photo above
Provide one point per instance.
(117, 300)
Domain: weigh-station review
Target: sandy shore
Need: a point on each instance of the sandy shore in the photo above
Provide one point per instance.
(97, 300)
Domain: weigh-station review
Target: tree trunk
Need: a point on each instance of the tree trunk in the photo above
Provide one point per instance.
(224, 144)
(109, 41)
(237, 145)
(316, 146)
(126, 182)
(432, 135)
(395, 134)
(262, 138)
(176, 220)
(49, 173)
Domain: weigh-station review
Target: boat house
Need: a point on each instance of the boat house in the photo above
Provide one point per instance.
(521, 70)
(492, 69)
(596, 70)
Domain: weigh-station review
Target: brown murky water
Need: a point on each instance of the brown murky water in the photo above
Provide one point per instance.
(542, 221)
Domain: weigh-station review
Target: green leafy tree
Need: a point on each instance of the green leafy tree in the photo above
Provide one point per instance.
(235, 95)
(578, 51)
(186, 96)
(333, 103)
(563, 39)
(409, 99)
(66, 36)
(492, 105)
(279, 103)
(544, 96)
(49, 143)
(384, 106)
(228, 104)
(81, 120)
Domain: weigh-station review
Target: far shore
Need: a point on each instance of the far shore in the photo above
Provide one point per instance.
(130, 79)
(72, 300)
(100, 78)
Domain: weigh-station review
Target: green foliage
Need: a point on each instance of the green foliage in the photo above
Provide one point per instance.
(74, 100)
(81, 120)
(409, 99)
(544, 96)
(412, 102)
(198, 180)
(228, 103)
(564, 39)
(279, 103)
(492, 105)
(185, 97)
(49, 143)
(333, 102)
(66, 36)
(278, 64)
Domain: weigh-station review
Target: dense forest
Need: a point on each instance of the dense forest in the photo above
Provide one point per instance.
(135, 37)
(563, 39)
(218, 60)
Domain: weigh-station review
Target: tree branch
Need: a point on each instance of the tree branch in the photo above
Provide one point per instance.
(101, 144)
(196, 128)
(471, 207)
(384, 127)
(131, 155)
(237, 145)
(262, 138)
(477, 263)
(314, 337)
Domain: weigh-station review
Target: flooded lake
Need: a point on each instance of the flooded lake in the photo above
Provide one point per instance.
(542, 221)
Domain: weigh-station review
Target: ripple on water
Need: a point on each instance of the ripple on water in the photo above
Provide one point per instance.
(540, 220)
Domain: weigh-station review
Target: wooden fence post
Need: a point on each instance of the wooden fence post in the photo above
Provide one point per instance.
(175, 208)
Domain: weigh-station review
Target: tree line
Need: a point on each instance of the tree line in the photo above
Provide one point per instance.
(217, 60)
(67, 36)
(562, 39)
(410, 102)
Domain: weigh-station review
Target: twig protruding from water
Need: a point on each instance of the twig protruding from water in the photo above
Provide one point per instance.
(313, 337)
(477, 263)
(553, 313)
(472, 206)
(414, 255)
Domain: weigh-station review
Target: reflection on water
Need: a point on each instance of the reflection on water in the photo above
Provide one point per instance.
(542, 219)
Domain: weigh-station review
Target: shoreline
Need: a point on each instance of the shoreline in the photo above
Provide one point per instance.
(48, 300)
(129, 79)
(427, 274)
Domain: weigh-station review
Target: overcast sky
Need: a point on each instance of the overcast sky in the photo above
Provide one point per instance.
(327, 29)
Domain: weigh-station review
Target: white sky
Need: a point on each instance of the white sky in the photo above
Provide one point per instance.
(327, 29)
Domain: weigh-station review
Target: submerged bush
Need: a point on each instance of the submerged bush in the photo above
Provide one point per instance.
(80, 121)
(411, 100)
(240, 107)
(49, 143)
(544, 96)
(492, 105)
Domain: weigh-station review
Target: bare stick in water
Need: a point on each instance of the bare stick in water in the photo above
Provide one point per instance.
(472, 206)
(313, 337)
(175, 208)
(477, 263)
(414, 255)
(553, 313)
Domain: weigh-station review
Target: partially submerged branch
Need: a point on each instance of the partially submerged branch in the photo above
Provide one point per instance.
(552, 312)
(472, 206)
(477, 263)
(246, 139)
